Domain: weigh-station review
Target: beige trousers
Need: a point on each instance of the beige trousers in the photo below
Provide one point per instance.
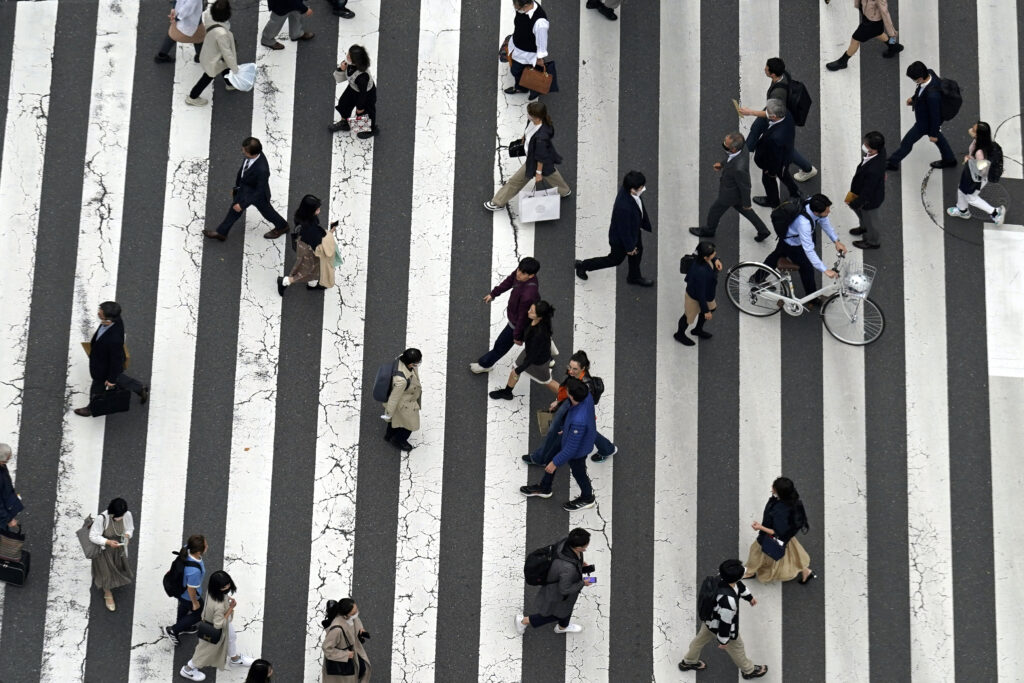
(734, 649)
(519, 180)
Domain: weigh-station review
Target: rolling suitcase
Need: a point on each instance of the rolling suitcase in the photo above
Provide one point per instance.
(15, 572)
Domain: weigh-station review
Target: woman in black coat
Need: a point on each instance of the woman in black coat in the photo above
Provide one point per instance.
(541, 158)
(783, 517)
(10, 501)
(699, 300)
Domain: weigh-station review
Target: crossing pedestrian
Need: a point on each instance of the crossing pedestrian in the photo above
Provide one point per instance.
(875, 22)
(261, 671)
(605, 8)
(252, 188)
(867, 190)
(308, 266)
(541, 158)
(107, 356)
(733, 190)
(535, 358)
(783, 517)
(402, 411)
(557, 597)
(186, 27)
(578, 435)
(524, 291)
(218, 615)
(280, 10)
(218, 55)
(699, 299)
(528, 45)
(927, 105)
(10, 501)
(360, 92)
(339, 9)
(629, 220)
(723, 623)
(773, 154)
(975, 176)
(190, 601)
(111, 531)
(345, 657)
(798, 244)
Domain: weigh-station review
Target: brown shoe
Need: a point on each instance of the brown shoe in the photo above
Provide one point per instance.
(84, 412)
(275, 46)
(214, 235)
(305, 36)
(275, 233)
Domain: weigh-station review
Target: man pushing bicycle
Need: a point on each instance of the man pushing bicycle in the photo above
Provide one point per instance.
(794, 222)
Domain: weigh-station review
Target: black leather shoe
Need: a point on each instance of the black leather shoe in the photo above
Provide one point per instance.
(280, 286)
(144, 395)
(640, 282)
(683, 339)
(699, 232)
(84, 412)
(861, 244)
(163, 58)
(213, 235)
(944, 163)
(762, 236)
(857, 231)
(762, 200)
(337, 126)
(606, 12)
(702, 334)
(512, 90)
(580, 272)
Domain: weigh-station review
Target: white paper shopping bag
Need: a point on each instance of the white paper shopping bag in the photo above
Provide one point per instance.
(539, 205)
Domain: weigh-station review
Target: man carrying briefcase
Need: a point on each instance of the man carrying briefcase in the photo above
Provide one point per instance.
(106, 367)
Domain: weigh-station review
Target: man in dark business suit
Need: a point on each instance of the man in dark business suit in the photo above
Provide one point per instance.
(629, 217)
(927, 104)
(106, 358)
(252, 188)
(733, 190)
(773, 153)
(867, 190)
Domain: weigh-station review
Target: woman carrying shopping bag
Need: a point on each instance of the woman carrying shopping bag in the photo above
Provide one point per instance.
(776, 554)
(541, 158)
(360, 92)
(308, 266)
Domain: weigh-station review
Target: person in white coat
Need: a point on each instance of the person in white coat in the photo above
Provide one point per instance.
(111, 530)
(219, 55)
(186, 27)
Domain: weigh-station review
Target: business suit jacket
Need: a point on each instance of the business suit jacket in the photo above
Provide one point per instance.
(627, 221)
(254, 186)
(542, 150)
(775, 147)
(869, 183)
(106, 360)
(281, 7)
(734, 182)
(928, 107)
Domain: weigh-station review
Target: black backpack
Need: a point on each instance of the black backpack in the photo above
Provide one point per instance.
(174, 579)
(686, 262)
(995, 160)
(951, 98)
(596, 388)
(538, 564)
(707, 597)
(798, 100)
(382, 382)
(785, 213)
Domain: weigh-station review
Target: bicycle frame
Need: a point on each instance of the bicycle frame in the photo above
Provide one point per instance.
(793, 305)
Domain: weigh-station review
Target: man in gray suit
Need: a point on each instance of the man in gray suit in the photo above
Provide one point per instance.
(733, 190)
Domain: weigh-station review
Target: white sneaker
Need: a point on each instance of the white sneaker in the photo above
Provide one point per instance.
(479, 369)
(241, 661)
(520, 626)
(1000, 215)
(491, 206)
(196, 102)
(312, 284)
(804, 176)
(192, 674)
(955, 212)
(571, 628)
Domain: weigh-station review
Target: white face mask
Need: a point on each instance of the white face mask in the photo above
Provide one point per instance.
(352, 618)
(864, 148)
(640, 191)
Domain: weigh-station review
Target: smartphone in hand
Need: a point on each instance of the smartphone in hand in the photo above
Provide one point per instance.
(590, 580)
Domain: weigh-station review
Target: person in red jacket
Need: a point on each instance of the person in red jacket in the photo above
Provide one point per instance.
(525, 293)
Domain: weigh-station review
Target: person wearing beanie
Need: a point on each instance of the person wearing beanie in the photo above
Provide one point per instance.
(724, 624)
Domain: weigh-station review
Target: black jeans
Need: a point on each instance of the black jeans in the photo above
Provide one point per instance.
(502, 344)
(771, 185)
(265, 209)
(186, 617)
(537, 620)
(347, 104)
(719, 208)
(204, 81)
(167, 47)
(798, 256)
(617, 256)
(579, 473)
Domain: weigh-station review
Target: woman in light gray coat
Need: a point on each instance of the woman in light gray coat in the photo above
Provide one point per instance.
(218, 610)
(343, 643)
(402, 411)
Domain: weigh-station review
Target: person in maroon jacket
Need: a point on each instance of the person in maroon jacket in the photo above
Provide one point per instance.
(525, 293)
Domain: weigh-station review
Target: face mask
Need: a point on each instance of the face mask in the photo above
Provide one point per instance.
(726, 148)
(864, 148)
(640, 191)
(352, 618)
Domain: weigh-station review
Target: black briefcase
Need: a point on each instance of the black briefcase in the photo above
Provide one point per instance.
(13, 572)
(116, 400)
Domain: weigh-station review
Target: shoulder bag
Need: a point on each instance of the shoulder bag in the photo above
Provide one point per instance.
(346, 668)
(89, 549)
(517, 148)
(11, 543)
(207, 631)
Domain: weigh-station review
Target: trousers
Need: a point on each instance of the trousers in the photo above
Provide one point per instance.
(347, 104)
(617, 256)
(915, 133)
(518, 180)
(265, 209)
(204, 81)
(796, 255)
(548, 448)
(399, 434)
(719, 208)
(542, 619)
(734, 649)
(502, 344)
(274, 24)
(868, 221)
(771, 185)
(167, 47)
(186, 617)
(578, 466)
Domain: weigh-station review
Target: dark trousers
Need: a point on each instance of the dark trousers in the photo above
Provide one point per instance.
(186, 617)
(796, 255)
(201, 84)
(719, 208)
(98, 386)
(771, 185)
(537, 620)
(347, 103)
(397, 433)
(265, 209)
(167, 47)
(548, 448)
(868, 221)
(578, 467)
(502, 344)
(617, 256)
(915, 133)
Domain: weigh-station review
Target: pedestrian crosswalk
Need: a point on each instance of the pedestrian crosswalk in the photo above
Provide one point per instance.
(261, 432)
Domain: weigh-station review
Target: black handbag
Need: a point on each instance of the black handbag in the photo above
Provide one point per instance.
(347, 668)
(208, 632)
(115, 400)
(771, 546)
(517, 148)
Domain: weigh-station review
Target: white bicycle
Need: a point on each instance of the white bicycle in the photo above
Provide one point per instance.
(848, 314)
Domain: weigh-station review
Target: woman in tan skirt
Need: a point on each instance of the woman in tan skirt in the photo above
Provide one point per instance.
(307, 264)
(111, 530)
(345, 658)
(783, 516)
(218, 610)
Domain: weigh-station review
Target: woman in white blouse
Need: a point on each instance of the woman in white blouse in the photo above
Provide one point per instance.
(186, 27)
(111, 530)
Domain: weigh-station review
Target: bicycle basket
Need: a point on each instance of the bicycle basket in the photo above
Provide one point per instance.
(857, 281)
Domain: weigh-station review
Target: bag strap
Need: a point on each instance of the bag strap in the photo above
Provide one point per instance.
(343, 635)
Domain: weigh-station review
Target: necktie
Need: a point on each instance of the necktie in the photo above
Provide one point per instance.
(246, 165)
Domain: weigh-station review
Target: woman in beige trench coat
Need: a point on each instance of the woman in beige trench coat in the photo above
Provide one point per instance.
(402, 411)
(219, 609)
(343, 642)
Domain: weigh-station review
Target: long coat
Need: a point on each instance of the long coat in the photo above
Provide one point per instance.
(10, 503)
(564, 583)
(106, 358)
(336, 644)
(325, 253)
(404, 403)
(218, 51)
(207, 654)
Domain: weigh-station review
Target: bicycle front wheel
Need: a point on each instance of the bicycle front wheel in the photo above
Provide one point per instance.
(853, 321)
(754, 288)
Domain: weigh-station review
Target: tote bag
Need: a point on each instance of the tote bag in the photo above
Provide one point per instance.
(540, 205)
(89, 549)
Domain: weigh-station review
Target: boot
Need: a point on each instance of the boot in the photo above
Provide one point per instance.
(680, 334)
(505, 393)
(698, 331)
(893, 50)
(839, 63)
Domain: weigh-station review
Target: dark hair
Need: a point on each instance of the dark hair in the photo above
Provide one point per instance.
(578, 538)
(220, 10)
(111, 310)
(788, 494)
(219, 581)
(875, 140)
(117, 507)
(917, 70)
(196, 543)
(539, 110)
(545, 312)
(581, 358)
(360, 58)
(983, 137)
(634, 180)
(819, 203)
(577, 389)
(705, 249)
(529, 265)
(336, 608)
(252, 145)
(731, 571)
(307, 209)
(259, 672)
(776, 66)
(735, 140)
(410, 356)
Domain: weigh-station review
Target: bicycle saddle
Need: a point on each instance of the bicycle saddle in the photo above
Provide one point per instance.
(785, 264)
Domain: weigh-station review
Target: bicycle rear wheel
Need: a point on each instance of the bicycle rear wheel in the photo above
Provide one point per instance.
(855, 321)
(747, 284)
